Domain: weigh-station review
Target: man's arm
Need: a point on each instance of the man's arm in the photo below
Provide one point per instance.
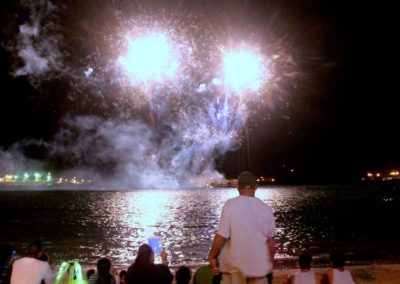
(164, 257)
(218, 243)
(271, 248)
(48, 276)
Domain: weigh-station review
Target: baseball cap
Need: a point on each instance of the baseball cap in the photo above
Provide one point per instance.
(247, 179)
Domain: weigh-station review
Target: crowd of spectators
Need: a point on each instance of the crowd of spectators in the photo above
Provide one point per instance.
(34, 269)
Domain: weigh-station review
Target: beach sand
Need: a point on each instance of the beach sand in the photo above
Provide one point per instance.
(387, 273)
(371, 274)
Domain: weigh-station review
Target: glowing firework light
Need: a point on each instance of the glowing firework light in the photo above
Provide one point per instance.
(154, 61)
(150, 58)
(244, 71)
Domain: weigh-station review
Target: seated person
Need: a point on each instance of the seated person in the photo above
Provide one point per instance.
(204, 275)
(144, 271)
(183, 275)
(90, 272)
(305, 275)
(31, 270)
(103, 274)
(337, 274)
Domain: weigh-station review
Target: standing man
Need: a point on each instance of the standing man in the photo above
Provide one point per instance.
(31, 270)
(243, 248)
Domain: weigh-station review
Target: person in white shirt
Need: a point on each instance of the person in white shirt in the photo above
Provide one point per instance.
(243, 248)
(305, 275)
(338, 274)
(31, 270)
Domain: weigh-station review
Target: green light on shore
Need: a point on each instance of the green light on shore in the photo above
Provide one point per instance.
(28, 178)
(48, 177)
(37, 177)
(25, 177)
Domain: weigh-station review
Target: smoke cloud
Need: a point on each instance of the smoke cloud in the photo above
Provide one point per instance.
(38, 42)
(130, 154)
(15, 162)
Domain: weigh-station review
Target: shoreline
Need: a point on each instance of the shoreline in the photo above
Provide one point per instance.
(381, 272)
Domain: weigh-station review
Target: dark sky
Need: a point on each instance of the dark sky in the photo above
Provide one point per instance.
(347, 124)
(335, 120)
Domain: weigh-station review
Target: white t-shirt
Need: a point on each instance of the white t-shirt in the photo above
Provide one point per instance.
(28, 270)
(304, 277)
(247, 223)
(342, 277)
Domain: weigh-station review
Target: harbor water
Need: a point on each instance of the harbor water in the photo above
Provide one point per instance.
(87, 225)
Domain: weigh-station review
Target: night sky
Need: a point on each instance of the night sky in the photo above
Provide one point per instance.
(330, 120)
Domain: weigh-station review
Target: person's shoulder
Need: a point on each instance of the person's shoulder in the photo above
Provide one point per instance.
(93, 278)
(23, 260)
(262, 203)
(204, 270)
(203, 274)
(29, 261)
(43, 264)
(233, 199)
(163, 271)
(231, 202)
(161, 267)
(18, 260)
(242, 199)
(346, 271)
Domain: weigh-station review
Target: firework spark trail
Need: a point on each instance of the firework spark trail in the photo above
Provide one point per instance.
(176, 71)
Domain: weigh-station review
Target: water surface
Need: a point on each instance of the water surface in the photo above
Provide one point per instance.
(87, 225)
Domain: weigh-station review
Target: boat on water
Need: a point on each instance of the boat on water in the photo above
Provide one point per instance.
(45, 186)
(222, 183)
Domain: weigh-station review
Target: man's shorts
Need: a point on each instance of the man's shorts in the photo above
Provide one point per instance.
(238, 278)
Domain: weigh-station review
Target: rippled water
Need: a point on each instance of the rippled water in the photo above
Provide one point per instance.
(87, 225)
